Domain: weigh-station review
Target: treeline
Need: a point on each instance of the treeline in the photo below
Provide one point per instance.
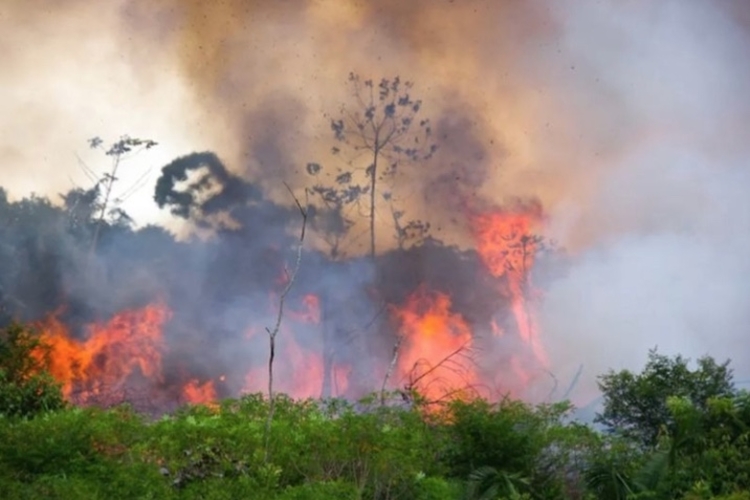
(671, 431)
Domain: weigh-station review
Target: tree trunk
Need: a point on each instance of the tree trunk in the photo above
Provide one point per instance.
(373, 186)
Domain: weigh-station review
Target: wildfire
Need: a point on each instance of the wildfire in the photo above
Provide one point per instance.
(508, 248)
(436, 354)
(196, 393)
(96, 368)
(298, 370)
(310, 312)
(435, 347)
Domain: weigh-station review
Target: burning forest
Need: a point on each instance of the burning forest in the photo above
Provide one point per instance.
(178, 322)
(492, 194)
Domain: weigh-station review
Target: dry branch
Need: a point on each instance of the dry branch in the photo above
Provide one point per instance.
(272, 333)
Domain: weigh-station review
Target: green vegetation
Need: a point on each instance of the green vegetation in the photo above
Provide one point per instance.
(672, 433)
(25, 386)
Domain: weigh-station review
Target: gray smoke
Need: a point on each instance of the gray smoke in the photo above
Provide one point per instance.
(663, 235)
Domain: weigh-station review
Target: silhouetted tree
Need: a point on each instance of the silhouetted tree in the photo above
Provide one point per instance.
(382, 127)
(122, 149)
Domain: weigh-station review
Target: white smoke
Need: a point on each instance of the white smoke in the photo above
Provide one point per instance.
(667, 224)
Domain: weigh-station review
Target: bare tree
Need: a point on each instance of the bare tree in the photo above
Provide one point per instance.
(383, 129)
(291, 276)
(391, 367)
(120, 150)
(380, 132)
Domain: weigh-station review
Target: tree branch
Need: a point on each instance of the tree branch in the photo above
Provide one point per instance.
(272, 333)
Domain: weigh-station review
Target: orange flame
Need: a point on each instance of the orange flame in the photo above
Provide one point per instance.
(100, 366)
(508, 248)
(436, 342)
(196, 393)
(298, 371)
(310, 313)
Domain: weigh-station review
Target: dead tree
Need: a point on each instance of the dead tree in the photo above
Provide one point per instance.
(291, 276)
(124, 148)
(382, 131)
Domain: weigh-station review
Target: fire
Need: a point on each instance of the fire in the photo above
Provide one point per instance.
(436, 342)
(310, 313)
(298, 370)
(99, 367)
(508, 248)
(196, 393)
(434, 355)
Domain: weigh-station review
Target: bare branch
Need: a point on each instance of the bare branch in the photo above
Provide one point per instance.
(272, 333)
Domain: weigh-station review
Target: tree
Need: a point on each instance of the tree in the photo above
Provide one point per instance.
(635, 405)
(120, 150)
(711, 444)
(384, 129)
(273, 332)
(380, 132)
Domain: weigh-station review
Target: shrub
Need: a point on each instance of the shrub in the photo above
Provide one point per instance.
(26, 388)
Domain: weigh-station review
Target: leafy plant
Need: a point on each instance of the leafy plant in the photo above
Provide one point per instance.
(26, 388)
(635, 405)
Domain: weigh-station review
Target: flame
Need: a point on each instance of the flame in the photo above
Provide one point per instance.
(298, 371)
(433, 355)
(507, 246)
(196, 393)
(310, 312)
(100, 366)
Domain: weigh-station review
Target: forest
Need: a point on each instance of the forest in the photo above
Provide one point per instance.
(321, 342)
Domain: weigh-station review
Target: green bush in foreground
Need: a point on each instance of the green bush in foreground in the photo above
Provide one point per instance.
(684, 436)
(26, 388)
(334, 449)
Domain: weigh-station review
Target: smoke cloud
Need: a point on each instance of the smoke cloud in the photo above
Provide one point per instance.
(627, 120)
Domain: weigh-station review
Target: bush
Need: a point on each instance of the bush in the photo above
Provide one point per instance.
(26, 388)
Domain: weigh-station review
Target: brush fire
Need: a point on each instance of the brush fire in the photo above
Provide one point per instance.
(439, 149)
(438, 346)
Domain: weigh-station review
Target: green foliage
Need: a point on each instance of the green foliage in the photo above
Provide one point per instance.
(635, 405)
(436, 488)
(711, 445)
(321, 491)
(503, 436)
(334, 449)
(25, 386)
(610, 469)
(487, 483)
(511, 448)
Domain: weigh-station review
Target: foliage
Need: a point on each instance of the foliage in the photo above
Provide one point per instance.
(335, 449)
(25, 387)
(710, 445)
(635, 405)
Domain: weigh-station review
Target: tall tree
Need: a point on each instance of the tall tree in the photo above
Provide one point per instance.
(120, 150)
(382, 127)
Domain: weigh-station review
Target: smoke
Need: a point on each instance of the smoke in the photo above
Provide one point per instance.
(626, 119)
(661, 235)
